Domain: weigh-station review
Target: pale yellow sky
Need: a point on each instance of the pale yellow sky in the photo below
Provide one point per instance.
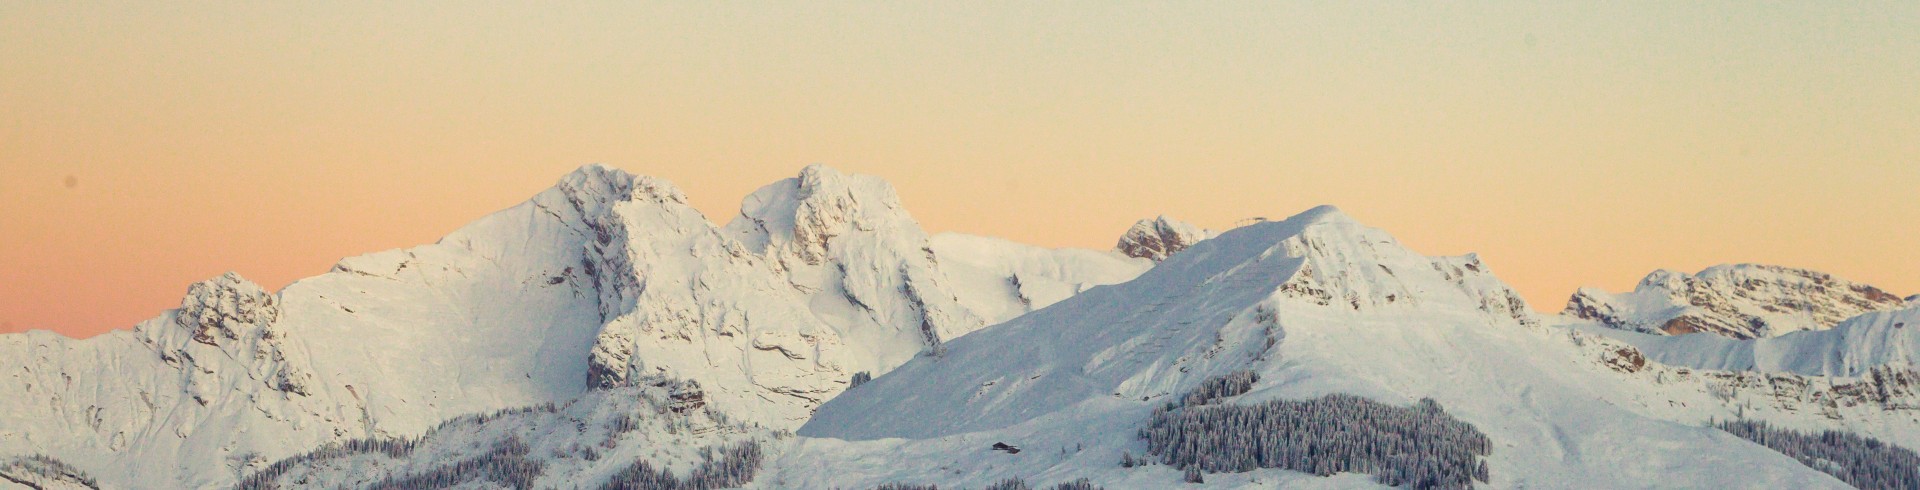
(1569, 143)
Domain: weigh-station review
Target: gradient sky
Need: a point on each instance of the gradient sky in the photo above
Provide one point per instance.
(147, 145)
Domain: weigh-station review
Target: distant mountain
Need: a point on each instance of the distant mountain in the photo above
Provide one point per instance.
(1156, 239)
(1742, 301)
(1854, 348)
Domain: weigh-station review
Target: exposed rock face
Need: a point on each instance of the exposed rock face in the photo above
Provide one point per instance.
(1360, 268)
(227, 320)
(1739, 301)
(1157, 238)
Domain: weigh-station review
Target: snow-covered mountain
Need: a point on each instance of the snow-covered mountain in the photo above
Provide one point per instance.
(605, 332)
(1739, 301)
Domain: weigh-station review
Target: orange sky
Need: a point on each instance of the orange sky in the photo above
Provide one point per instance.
(1568, 144)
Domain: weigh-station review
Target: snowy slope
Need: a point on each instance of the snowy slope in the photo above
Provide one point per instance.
(1739, 301)
(999, 279)
(1315, 304)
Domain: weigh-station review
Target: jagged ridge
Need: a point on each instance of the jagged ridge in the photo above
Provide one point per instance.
(1741, 301)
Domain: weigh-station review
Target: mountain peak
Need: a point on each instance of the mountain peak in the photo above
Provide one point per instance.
(816, 177)
(600, 180)
(1325, 213)
(227, 306)
(805, 213)
(1156, 239)
(1347, 264)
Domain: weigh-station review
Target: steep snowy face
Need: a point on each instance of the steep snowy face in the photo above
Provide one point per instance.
(822, 276)
(1156, 239)
(831, 231)
(1739, 301)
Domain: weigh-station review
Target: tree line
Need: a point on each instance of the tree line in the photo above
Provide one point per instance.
(1863, 462)
(1417, 447)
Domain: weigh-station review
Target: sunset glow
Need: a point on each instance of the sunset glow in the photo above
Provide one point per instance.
(148, 145)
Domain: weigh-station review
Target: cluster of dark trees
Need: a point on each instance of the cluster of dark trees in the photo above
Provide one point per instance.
(1218, 387)
(1863, 462)
(484, 417)
(267, 478)
(396, 448)
(1417, 447)
(40, 468)
(730, 467)
(1007, 484)
(509, 464)
(859, 378)
(506, 463)
(1018, 484)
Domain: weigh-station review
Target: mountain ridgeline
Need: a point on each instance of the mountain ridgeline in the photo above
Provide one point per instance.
(605, 334)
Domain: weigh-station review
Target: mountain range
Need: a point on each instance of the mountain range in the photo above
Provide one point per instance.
(605, 334)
